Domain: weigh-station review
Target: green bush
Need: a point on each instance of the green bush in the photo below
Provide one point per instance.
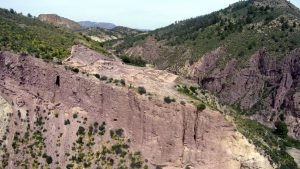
(102, 129)
(97, 76)
(76, 70)
(67, 122)
(201, 107)
(136, 61)
(80, 131)
(136, 161)
(169, 100)
(141, 90)
(193, 89)
(103, 78)
(281, 129)
(123, 83)
(49, 159)
(117, 134)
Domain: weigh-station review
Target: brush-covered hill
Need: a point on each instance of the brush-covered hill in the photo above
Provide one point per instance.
(245, 54)
(242, 29)
(29, 35)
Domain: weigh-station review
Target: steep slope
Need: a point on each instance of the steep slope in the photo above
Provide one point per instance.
(59, 21)
(245, 54)
(29, 35)
(104, 25)
(56, 113)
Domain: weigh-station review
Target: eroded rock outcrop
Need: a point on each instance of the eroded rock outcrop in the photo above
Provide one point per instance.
(266, 86)
(168, 135)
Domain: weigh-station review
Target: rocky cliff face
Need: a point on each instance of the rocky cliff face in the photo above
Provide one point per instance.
(59, 21)
(269, 87)
(45, 96)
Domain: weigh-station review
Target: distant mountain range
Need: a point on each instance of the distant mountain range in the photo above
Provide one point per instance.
(90, 24)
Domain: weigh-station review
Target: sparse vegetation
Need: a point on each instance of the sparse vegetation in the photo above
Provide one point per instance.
(111, 154)
(264, 139)
(117, 134)
(80, 131)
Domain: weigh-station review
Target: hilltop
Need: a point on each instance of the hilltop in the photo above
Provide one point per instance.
(59, 21)
(29, 35)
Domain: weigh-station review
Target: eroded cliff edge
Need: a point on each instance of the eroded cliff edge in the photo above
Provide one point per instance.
(264, 87)
(168, 135)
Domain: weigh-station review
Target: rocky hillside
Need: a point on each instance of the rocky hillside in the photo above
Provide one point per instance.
(60, 117)
(59, 21)
(245, 54)
(228, 97)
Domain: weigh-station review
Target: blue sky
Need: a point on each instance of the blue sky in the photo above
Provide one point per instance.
(143, 14)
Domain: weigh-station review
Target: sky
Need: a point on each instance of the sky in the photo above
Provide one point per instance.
(142, 14)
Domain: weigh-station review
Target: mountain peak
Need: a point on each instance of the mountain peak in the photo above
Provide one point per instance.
(274, 3)
(90, 24)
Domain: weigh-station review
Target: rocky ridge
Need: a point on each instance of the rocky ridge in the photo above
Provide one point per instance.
(265, 85)
(59, 21)
(167, 135)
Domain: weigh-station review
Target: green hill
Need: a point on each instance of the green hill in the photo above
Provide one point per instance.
(247, 55)
(243, 28)
(29, 35)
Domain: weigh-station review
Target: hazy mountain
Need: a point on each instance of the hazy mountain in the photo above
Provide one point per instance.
(89, 24)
